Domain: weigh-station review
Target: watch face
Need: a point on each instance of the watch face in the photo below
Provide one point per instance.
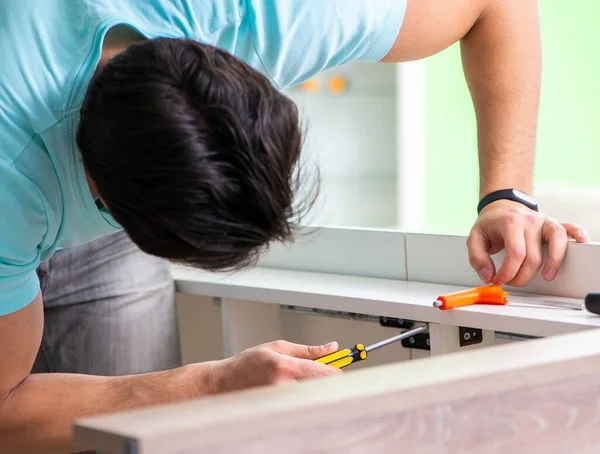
(524, 196)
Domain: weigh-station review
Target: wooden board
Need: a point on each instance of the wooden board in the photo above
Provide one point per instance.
(537, 396)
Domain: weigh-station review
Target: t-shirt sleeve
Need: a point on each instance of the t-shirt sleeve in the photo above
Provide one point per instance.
(296, 39)
(23, 224)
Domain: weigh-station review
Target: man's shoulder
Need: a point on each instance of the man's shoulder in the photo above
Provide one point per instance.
(46, 47)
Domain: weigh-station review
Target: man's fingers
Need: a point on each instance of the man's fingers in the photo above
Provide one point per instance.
(316, 351)
(302, 351)
(300, 363)
(556, 236)
(576, 232)
(534, 258)
(516, 251)
(479, 257)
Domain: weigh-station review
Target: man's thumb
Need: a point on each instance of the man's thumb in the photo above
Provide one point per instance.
(315, 351)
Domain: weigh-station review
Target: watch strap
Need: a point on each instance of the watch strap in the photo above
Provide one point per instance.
(508, 194)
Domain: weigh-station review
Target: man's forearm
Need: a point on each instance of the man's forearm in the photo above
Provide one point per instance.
(37, 416)
(502, 64)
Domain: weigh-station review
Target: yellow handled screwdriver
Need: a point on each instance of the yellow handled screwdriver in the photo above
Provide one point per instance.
(348, 356)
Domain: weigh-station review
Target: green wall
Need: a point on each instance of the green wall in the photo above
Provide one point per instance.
(568, 150)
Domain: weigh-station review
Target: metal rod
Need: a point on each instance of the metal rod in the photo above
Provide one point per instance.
(397, 338)
(537, 302)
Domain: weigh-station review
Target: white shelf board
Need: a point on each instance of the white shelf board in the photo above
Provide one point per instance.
(373, 296)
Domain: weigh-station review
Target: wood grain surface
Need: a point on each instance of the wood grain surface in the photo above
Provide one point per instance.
(553, 419)
(538, 396)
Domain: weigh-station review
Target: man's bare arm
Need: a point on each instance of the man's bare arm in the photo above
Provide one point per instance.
(501, 55)
(502, 61)
(37, 411)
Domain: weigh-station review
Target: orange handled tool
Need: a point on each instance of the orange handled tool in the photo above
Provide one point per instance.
(495, 294)
(489, 294)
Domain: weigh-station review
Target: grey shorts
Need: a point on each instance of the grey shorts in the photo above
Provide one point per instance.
(109, 309)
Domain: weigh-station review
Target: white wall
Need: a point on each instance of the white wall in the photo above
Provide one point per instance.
(352, 138)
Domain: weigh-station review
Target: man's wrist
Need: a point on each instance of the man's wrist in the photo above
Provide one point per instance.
(201, 379)
(523, 185)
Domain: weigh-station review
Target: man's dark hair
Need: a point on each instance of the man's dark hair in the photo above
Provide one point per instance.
(194, 152)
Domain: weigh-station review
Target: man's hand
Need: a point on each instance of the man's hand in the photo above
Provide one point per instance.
(271, 364)
(521, 232)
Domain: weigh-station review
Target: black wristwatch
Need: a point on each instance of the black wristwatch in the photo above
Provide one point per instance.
(508, 194)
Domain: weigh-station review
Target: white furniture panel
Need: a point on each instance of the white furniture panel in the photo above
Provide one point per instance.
(392, 298)
(371, 253)
(444, 259)
(248, 323)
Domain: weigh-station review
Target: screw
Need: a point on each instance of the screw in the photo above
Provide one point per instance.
(411, 340)
(467, 336)
(428, 342)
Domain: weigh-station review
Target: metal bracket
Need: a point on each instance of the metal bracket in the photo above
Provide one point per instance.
(391, 322)
(467, 336)
(131, 446)
(419, 341)
(470, 336)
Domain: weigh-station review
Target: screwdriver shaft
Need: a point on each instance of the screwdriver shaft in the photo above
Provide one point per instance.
(397, 338)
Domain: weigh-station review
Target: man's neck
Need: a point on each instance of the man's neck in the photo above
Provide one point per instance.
(117, 39)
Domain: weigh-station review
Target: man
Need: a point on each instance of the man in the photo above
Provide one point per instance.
(164, 121)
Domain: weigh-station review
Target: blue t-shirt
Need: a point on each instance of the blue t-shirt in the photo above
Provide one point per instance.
(49, 51)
